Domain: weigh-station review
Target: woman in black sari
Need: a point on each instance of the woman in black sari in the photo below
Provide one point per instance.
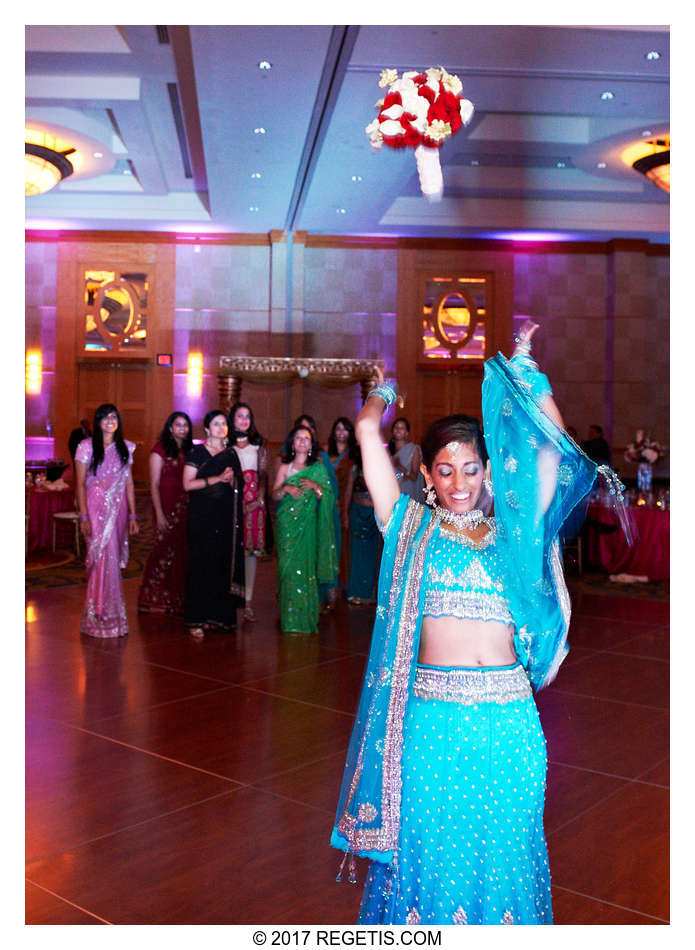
(215, 577)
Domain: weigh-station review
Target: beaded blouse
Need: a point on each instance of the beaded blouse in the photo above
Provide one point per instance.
(464, 578)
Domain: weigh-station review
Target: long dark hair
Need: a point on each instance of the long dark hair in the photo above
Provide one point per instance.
(352, 441)
(392, 441)
(254, 436)
(98, 437)
(456, 428)
(309, 419)
(287, 450)
(167, 440)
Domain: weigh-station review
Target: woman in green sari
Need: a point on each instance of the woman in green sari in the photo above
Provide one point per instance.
(306, 547)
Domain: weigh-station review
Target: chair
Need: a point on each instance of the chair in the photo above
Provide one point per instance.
(67, 516)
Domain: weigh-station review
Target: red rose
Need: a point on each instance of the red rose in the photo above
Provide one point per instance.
(427, 93)
(420, 78)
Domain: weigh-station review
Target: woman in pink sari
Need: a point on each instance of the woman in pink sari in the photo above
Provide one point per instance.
(106, 501)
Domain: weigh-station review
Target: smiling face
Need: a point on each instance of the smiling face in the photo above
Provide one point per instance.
(179, 429)
(242, 419)
(301, 443)
(108, 425)
(218, 427)
(340, 432)
(457, 475)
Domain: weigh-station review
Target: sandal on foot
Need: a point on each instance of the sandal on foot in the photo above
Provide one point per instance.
(249, 615)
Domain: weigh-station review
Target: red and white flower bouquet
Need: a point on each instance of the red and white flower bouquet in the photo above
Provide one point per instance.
(420, 111)
(644, 449)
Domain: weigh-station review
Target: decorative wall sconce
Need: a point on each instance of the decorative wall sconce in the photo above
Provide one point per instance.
(195, 374)
(32, 372)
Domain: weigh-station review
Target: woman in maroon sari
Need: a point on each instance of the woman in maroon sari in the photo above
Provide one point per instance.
(164, 578)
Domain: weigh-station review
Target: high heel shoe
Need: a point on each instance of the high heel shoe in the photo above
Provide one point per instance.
(249, 615)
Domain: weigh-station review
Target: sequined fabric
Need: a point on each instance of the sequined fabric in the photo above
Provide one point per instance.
(107, 547)
(164, 576)
(254, 465)
(306, 550)
(471, 845)
(465, 579)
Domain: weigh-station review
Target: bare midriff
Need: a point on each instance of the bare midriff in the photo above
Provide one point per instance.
(448, 641)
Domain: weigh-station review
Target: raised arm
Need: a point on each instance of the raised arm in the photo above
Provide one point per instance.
(376, 462)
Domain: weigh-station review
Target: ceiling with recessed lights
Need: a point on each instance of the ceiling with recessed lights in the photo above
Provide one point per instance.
(218, 129)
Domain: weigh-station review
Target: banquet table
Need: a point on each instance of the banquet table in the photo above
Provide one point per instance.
(609, 551)
(43, 504)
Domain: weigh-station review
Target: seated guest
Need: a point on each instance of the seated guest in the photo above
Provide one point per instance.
(596, 446)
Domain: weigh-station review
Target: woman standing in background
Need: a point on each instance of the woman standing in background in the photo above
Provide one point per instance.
(164, 577)
(253, 454)
(305, 536)
(106, 502)
(342, 447)
(215, 577)
(406, 459)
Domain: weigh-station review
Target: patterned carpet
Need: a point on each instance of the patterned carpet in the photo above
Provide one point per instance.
(46, 569)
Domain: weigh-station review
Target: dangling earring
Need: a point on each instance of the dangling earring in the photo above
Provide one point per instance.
(430, 496)
(487, 485)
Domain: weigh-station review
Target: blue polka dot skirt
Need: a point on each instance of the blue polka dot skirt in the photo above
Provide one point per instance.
(472, 848)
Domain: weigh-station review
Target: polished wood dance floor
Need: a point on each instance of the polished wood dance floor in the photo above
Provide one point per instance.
(177, 782)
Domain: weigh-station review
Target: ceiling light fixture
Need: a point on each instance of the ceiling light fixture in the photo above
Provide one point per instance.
(265, 65)
(44, 168)
(340, 210)
(357, 178)
(607, 95)
(259, 130)
(600, 164)
(253, 207)
(255, 174)
(652, 55)
(652, 159)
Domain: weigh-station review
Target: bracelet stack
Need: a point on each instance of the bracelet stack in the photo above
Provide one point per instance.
(84, 517)
(132, 516)
(385, 392)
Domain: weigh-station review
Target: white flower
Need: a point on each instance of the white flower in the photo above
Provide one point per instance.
(374, 133)
(393, 112)
(387, 76)
(378, 104)
(466, 110)
(433, 77)
(391, 127)
(451, 83)
(438, 130)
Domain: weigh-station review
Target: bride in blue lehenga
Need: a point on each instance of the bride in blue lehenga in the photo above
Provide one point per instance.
(444, 784)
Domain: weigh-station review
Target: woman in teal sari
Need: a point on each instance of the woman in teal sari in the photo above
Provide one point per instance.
(306, 545)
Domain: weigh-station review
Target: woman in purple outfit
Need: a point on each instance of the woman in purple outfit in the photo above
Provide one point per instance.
(106, 502)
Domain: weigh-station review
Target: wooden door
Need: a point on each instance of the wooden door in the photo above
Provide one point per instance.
(128, 387)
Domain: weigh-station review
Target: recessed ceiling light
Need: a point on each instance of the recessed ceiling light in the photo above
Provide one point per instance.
(259, 130)
(474, 161)
(340, 210)
(600, 164)
(264, 64)
(607, 95)
(97, 154)
(253, 207)
(357, 178)
(652, 54)
(126, 171)
(560, 165)
(646, 133)
(255, 174)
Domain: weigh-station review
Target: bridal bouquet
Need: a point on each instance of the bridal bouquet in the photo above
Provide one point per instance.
(420, 111)
(644, 449)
